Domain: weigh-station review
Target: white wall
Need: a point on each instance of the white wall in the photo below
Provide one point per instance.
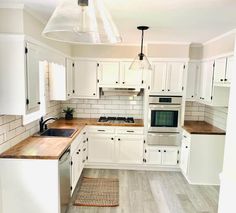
(122, 106)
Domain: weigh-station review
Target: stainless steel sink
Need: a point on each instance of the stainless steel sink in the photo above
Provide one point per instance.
(58, 132)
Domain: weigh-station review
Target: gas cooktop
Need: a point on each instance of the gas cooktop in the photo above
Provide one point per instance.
(116, 119)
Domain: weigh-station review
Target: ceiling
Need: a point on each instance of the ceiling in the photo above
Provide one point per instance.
(170, 20)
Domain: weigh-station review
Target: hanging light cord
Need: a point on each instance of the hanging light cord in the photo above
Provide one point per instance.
(141, 54)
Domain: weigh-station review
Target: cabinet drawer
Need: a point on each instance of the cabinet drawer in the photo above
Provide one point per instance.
(130, 130)
(101, 129)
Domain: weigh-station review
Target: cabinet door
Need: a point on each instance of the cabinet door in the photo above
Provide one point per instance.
(158, 77)
(109, 73)
(69, 77)
(131, 77)
(169, 156)
(191, 91)
(101, 148)
(184, 156)
(154, 155)
(229, 69)
(32, 78)
(76, 167)
(208, 81)
(129, 149)
(175, 73)
(219, 71)
(85, 80)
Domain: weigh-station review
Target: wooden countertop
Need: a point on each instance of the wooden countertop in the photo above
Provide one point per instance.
(202, 127)
(49, 148)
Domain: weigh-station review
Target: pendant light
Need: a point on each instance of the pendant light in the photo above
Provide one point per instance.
(82, 21)
(141, 61)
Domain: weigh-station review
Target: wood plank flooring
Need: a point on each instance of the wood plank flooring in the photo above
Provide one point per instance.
(154, 192)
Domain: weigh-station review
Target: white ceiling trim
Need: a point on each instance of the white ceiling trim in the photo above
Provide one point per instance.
(220, 37)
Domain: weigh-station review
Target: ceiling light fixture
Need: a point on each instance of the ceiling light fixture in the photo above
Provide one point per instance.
(82, 21)
(141, 61)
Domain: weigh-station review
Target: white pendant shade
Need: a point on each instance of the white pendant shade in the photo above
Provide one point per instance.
(138, 64)
(73, 23)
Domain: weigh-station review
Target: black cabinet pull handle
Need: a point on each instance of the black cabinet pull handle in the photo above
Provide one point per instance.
(185, 136)
(129, 131)
(101, 130)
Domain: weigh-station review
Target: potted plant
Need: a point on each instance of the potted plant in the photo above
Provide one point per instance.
(68, 113)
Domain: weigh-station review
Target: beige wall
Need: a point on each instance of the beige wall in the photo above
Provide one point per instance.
(220, 46)
(105, 51)
(11, 21)
(168, 50)
(195, 52)
(34, 28)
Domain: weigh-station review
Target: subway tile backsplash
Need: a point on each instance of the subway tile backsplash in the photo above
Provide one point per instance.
(124, 106)
(216, 116)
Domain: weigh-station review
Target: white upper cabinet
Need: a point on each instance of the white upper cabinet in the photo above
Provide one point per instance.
(192, 75)
(19, 76)
(229, 69)
(219, 71)
(32, 78)
(167, 78)
(85, 79)
(158, 79)
(131, 77)
(117, 74)
(70, 77)
(109, 73)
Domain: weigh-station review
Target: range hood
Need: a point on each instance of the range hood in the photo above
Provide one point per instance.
(121, 92)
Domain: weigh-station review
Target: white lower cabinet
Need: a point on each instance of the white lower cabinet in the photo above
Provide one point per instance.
(118, 145)
(162, 155)
(78, 158)
(101, 148)
(129, 149)
(201, 158)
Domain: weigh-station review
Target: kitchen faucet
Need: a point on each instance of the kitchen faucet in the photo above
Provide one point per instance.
(42, 123)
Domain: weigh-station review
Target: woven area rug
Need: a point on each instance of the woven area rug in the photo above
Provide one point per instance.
(99, 192)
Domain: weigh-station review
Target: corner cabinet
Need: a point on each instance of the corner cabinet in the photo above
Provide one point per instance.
(19, 76)
(168, 78)
(118, 74)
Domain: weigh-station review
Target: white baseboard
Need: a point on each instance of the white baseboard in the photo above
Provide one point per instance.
(143, 167)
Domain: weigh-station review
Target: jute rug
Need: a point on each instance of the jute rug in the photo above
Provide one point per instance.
(99, 192)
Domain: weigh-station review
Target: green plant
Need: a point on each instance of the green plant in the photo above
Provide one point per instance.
(68, 110)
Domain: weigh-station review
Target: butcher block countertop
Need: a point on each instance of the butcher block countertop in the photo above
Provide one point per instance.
(202, 127)
(51, 148)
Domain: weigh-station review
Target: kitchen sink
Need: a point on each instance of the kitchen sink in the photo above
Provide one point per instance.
(58, 132)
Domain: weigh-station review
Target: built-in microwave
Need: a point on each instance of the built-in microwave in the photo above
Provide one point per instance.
(164, 114)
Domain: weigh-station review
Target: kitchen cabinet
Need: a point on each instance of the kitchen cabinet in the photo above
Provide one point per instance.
(19, 90)
(208, 93)
(85, 79)
(101, 148)
(118, 74)
(192, 76)
(223, 71)
(70, 65)
(129, 149)
(109, 73)
(202, 158)
(162, 155)
(167, 78)
(115, 145)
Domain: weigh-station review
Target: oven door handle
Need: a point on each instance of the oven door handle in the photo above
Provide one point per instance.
(164, 134)
(155, 106)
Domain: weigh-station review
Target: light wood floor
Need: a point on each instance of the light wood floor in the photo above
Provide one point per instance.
(154, 192)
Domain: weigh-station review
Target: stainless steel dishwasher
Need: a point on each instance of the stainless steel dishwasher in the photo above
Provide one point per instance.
(64, 173)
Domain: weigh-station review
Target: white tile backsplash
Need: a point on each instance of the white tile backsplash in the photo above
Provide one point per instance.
(216, 116)
(107, 106)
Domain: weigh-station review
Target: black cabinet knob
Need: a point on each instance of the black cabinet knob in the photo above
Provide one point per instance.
(226, 79)
(168, 90)
(94, 93)
(39, 102)
(159, 150)
(118, 139)
(164, 150)
(221, 79)
(162, 90)
(68, 94)
(116, 82)
(123, 82)
(112, 138)
(186, 147)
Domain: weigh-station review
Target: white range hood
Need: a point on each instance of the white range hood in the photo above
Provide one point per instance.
(121, 92)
